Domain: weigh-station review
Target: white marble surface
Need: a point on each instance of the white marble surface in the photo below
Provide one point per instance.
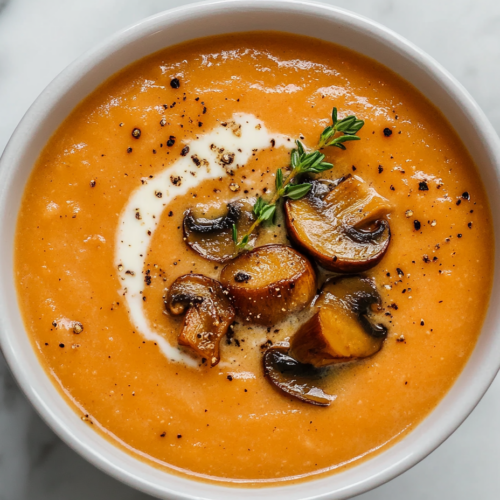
(38, 38)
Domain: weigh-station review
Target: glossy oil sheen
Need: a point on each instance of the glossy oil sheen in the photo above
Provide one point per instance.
(243, 430)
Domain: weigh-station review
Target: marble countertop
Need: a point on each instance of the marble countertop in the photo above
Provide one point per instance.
(39, 38)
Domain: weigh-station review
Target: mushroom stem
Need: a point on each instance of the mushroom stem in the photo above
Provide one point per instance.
(208, 314)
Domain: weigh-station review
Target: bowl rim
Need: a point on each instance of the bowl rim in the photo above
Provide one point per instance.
(33, 119)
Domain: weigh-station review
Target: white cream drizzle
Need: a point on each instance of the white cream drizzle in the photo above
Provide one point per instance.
(241, 136)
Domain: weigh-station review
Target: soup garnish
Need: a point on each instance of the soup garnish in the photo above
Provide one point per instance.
(302, 162)
(342, 225)
(342, 328)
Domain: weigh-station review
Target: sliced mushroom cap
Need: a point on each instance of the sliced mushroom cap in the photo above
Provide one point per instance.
(212, 237)
(209, 313)
(341, 224)
(343, 327)
(269, 283)
(295, 379)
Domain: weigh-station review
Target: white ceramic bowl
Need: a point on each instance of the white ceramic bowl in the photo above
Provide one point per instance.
(193, 21)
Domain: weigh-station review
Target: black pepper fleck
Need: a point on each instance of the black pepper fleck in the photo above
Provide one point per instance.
(240, 277)
(176, 180)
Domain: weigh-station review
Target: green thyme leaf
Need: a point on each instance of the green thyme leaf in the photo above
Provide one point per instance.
(279, 179)
(328, 130)
(334, 116)
(294, 158)
(297, 191)
(343, 138)
(235, 234)
(308, 160)
(352, 127)
(300, 147)
(318, 160)
(321, 168)
(267, 212)
(325, 136)
(259, 205)
(345, 123)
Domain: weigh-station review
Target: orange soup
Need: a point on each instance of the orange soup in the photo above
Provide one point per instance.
(115, 211)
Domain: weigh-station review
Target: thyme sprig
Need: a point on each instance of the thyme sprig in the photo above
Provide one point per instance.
(302, 162)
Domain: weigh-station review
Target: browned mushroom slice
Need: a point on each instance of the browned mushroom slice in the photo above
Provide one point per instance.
(343, 327)
(209, 313)
(295, 379)
(342, 225)
(212, 237)
(269, 283)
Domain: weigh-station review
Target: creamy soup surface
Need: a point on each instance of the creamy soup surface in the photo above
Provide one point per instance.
(88, 216)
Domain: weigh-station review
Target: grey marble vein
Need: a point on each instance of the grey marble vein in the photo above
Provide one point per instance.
(39, 38)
